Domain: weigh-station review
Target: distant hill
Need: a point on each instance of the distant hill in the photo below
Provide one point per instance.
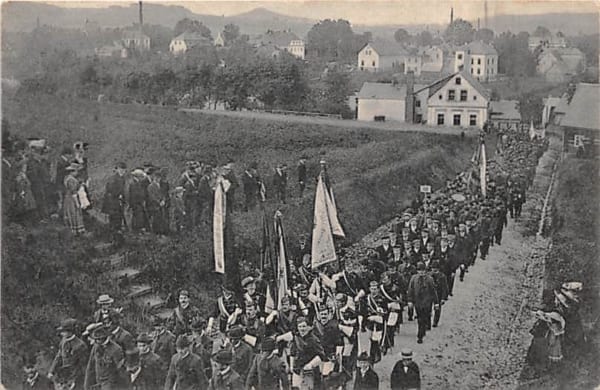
(22, 16)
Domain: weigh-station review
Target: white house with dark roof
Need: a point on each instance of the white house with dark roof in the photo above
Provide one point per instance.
(135, 39)
(457, 100)
(387, 102)
(478, 59)
(379, 56)
(581, 123)
(186, 41)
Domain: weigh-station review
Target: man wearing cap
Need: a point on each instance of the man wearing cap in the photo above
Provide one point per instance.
(114, 200)
(227, 309)
(268, 371)
(202, 344)
(242, 353)
(376, 316)
(164, 342)
(307, 350)
(405, 374)
(71, 356)
(385, 250)
(280, 178)
(140, 377)
(117, 334)
(33, 380)
(105, 365)
(393, 295)
(185, 370)
(252, 295)
(183, 315)
(422, 295)
(105, 301)
(254, 326)
(150, 361)
(224, 376)
(366, 378)
(441, 287)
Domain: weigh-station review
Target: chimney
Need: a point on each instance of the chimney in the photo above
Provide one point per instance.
(409, 111)
(141, 16)
(451, 15)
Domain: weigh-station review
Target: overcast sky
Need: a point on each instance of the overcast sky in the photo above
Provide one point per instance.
(372, 12)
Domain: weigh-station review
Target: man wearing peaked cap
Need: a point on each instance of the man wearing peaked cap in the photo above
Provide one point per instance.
(117, 333)
(106, 361)
(163, 343)
(405, 374)
(422, 295)
(72, 354)
(268, 371)
(185, 370)
(150, 362)
(224, 376)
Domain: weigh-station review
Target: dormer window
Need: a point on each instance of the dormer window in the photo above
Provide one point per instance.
(458, 81)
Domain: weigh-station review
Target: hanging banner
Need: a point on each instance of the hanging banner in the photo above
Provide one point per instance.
(219, 215)
(323, 248)
(483, 170)
(336, 227)
(282, 278)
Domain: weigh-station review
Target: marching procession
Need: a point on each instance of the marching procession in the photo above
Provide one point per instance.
(320, 320)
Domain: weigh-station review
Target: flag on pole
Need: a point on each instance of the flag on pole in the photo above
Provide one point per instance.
(219, 216)
(483, 169)
(282, 264)
(531, 131)
(323, 248)
(266, 254)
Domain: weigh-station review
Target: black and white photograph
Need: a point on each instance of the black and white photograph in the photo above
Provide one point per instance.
(300, 195)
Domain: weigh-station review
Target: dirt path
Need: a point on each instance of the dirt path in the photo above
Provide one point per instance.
(348, 124)
(482, 338)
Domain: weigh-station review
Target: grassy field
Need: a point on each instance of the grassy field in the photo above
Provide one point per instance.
(574, 257)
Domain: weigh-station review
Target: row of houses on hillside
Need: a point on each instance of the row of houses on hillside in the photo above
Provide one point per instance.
(548, 41)
(478, 59)
(560, 64)
(131, 40)
(454, 100)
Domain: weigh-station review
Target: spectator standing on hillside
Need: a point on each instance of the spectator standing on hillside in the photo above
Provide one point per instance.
(25, 209)
(114, 200)
(251, 182)
(72, 211)
(405, 374)
(63, 161)
(39, 176)
(302, 175)
(280, 182)
(229, 175)
(189, 182)
(157, 205)
(137, 201)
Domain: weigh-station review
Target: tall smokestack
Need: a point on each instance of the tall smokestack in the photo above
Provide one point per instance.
(451, 15)
(141, 16)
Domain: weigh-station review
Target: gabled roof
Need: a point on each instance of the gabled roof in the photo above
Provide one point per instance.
(479, 48)
(191, 36)
(505, 109)
(584, 111)
(277, 38)
(134, 34)
(385, 91)
(439, 84)
(387, 48)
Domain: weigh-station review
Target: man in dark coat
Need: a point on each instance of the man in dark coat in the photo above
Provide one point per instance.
(280, 182)
(105, 366)
(72, 355)
(229, 175)
(405, 374)
(463, 250)
(184, 315)
(62, 163)
(366, 378)
(441, 287)
(141, 376)
(422, 295)
(150, 362)
(268, 371)
(251, 183)
(117, 334)
(190, 183)
(242, 353)
(385, 250)
(301, 175)
(185, 371)
(224, 377)
(114, 200)
(137, 201)
(164, 342)
(33, 380)
(305, 348)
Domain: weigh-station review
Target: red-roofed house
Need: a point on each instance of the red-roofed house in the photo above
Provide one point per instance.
(380, 55)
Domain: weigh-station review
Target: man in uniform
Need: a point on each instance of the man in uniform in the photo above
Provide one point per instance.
(254, 325)
(184, 314)
(105, 367)
(330, 336)
(150, 362)
(463, 250)
(164, 342)
(227, 310)
(405, 374)
(252, 295)
(376, 316)
(114, 201)
(224, 376)
(385, 250)
(441, 287)
(71, 357)
(185, 370)
(117, 334)
(422, 295)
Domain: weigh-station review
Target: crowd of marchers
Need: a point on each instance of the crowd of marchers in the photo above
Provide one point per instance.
(335, 324)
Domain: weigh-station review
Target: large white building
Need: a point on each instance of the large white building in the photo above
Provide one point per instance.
(389, 102)
(136, 40)
(457, 100)
(187, 40)
(478, 59)
(285, 41)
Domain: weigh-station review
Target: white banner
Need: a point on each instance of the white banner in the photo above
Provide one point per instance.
(336, 227)
(323, 248)
(219, 215)
(282, 286)
(483, 170)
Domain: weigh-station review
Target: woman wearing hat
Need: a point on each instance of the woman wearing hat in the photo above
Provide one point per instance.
(72, 212)
(24, 202)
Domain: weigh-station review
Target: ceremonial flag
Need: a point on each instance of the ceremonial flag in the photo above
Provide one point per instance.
(282, 264)
(219, 216)
(266, 254)
(323, 248)
(531, 131)
(483, 170)
(336, 227)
